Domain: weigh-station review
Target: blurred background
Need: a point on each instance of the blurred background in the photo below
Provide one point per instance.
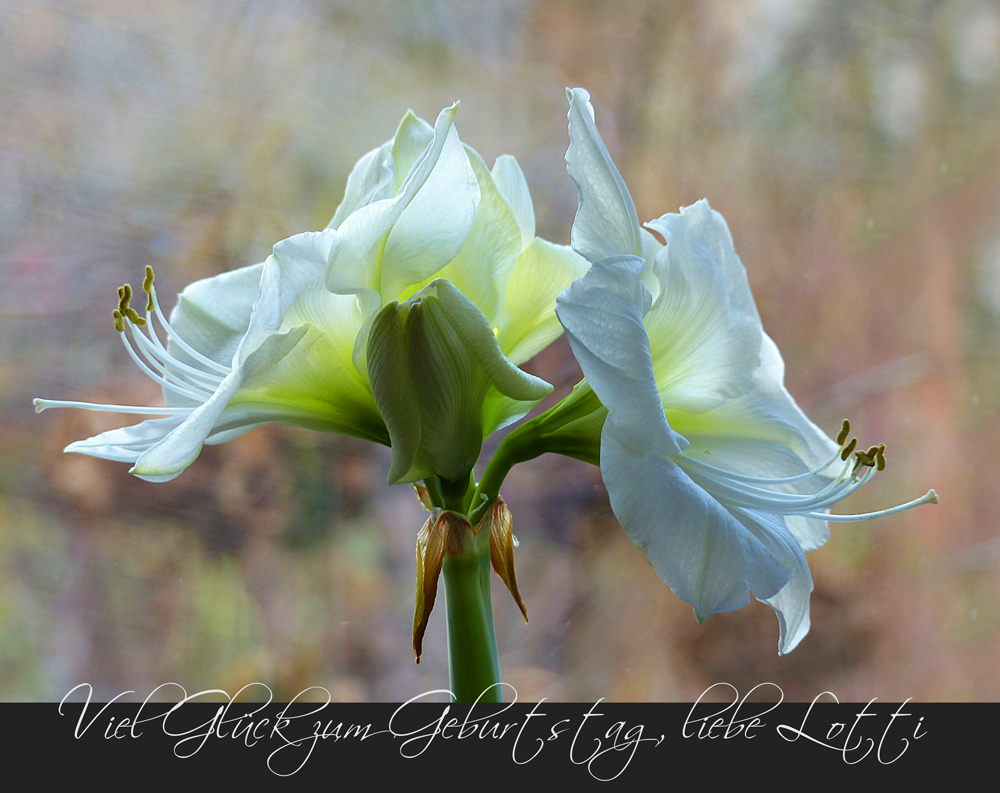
(851, 144)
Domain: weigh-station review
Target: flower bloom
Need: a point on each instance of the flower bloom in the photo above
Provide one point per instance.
(403, 322)
(710, 465)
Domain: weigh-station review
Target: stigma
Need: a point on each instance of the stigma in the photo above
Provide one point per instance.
(192, 380)
(834, 480)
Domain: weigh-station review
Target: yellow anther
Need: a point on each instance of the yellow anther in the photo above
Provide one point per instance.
(880, 458)
(124, 297)
(845, 430)
(134, 317)
(119, 320)
(147, 287)
(864, 458)
(848, 449)
(872, 451)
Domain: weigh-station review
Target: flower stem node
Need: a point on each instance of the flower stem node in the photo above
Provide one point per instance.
(447, 533)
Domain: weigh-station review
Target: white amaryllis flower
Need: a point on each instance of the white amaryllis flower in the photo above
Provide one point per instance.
(430, 249)
(709, 463)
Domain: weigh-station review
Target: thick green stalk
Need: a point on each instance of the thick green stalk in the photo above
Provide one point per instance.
(472, 644)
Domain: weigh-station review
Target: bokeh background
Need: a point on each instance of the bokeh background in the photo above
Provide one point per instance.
(851, 144)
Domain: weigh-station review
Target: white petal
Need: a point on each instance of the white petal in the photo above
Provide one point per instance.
(482, 267)
(768, 413)
(372, 179)
(212, 315)
(772, 398)
(704, 554)
(126, 444)
(760, 458)
(602, 314)
(354, 261)
(432, 229)
(606, 223)
(791, 603)
(650, 247)
(527, 322)
(318, 384)
(176, 451)
(411, 139)
(513, 187)
(704, 331)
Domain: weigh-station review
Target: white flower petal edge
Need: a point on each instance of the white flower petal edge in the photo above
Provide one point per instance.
(710, 465)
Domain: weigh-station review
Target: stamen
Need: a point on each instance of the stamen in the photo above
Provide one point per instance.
(200, 396)
(845, 430)
(742, 492)
(124, 297)
(166, 362)
(45, 404)
(761, 480)
(865, 458)
(172, 334)
(930, 497)
(147, 287)
(125, 310)
(119, 320)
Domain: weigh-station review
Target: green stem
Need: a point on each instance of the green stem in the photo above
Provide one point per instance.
(472, 644)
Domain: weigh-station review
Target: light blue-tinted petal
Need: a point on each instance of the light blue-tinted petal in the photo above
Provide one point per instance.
(704, 554)
(602, 314)
(791, 603)
(606, 223)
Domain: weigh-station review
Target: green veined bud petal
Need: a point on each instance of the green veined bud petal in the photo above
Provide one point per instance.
(441, 383)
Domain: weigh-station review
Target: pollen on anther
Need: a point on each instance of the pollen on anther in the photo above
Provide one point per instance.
(124, 297)
(845, 430)
(864, 459)
(119, 320)
(147, 287)
(848, 449)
